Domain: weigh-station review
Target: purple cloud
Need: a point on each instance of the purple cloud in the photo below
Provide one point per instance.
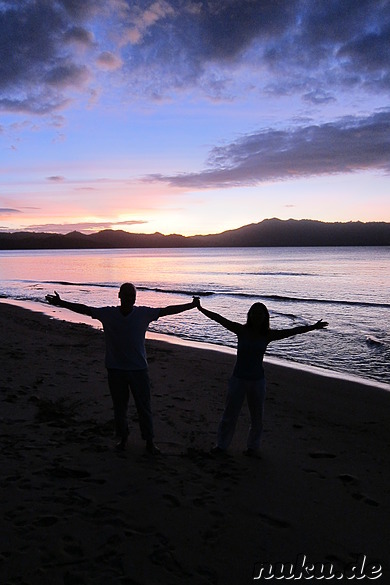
(65, 228)
(8, 211)
(346, 146)
(56, 179)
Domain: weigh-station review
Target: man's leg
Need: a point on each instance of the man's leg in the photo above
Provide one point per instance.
(140, 388)
(119, 389)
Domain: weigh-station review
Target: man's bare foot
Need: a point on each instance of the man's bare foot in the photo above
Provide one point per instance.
(218, 451)
(152, 449)
(121, 446)
(252, 453)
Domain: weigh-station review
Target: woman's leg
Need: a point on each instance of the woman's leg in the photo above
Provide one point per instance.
(255, 397)
(234, 399)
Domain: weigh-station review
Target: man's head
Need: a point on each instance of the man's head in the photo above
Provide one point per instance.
(127, 293)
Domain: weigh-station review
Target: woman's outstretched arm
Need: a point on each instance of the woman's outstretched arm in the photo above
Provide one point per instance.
(276, 334)
(230, 325)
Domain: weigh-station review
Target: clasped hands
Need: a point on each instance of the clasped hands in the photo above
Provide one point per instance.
(196, 302)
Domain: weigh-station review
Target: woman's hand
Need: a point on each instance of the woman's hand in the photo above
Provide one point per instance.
(320, 324)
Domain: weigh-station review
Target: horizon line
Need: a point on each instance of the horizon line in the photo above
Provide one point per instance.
(84, 232)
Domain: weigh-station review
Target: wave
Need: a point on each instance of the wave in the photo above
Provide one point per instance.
(79, 284)
(289, 299)
(193, 293)
(235, 294)
(280, 273)
(197, 293)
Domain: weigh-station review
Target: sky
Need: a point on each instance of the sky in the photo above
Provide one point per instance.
(192, 116)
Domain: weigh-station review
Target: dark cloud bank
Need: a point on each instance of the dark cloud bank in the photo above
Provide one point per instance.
(51, 51)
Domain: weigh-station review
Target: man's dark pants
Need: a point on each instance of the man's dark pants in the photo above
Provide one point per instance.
(120, 383)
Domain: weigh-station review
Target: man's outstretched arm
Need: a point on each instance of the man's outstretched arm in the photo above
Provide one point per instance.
(75, 307)
(175, 309)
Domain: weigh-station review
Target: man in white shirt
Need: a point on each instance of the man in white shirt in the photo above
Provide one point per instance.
(125, 327)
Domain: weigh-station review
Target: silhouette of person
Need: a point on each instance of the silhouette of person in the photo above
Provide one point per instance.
(248, 378)
(126, 362)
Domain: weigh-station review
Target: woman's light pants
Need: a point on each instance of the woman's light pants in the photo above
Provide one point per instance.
(254, 391)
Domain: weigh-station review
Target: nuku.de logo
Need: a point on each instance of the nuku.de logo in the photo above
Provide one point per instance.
(302, 569)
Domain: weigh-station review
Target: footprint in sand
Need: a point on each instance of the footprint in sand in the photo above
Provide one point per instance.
(165, 558)
(321, 455)
(73, 578)
(140, 531)
(46, 521)
(209, 574)
(206, 499)
(74, 550)
(274, 522)
(314, 472)
(370, 502)
(365, 500)
(65, 472)
(349, 481)
(173, 500)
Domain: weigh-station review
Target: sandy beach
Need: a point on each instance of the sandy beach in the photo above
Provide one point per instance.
(76, 512)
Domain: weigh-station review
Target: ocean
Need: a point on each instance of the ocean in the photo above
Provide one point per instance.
(348, 287)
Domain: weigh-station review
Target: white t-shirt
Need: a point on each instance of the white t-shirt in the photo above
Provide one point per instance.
(125, 335)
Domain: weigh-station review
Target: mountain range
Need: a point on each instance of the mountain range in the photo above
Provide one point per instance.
(269, 232)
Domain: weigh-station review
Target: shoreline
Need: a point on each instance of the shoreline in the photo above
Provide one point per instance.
(68, 316)
(75, 511)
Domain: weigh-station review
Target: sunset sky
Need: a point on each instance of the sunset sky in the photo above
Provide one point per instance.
(192, 116)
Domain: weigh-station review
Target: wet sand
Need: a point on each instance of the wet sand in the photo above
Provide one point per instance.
(76, 512)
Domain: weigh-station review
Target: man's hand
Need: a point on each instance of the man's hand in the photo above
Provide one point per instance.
(54, 299)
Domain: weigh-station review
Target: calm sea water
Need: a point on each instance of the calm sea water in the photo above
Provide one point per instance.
(348, 287)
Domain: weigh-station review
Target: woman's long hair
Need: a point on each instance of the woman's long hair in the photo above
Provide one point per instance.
(258, 318)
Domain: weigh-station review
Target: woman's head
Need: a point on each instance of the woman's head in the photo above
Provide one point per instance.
(258, 318)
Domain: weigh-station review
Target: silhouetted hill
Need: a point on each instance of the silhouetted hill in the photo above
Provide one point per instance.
(270, 232)
(276, 232)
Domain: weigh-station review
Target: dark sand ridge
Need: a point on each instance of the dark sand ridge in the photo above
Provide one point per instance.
(76, 512)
